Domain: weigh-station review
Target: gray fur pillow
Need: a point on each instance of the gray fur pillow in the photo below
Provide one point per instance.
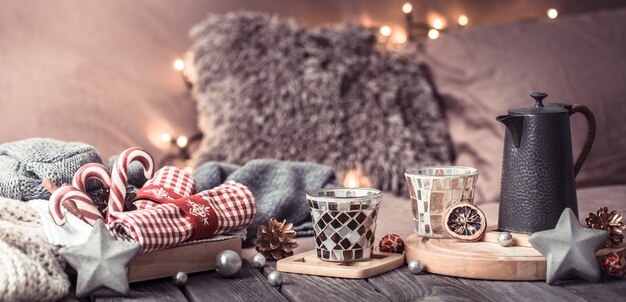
(267, 88)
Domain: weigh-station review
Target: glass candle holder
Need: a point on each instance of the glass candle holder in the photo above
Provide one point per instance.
(433, 190)
(344, 222)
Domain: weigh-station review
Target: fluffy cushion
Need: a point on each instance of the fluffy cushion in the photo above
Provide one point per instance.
(482, 72)
(270, 89)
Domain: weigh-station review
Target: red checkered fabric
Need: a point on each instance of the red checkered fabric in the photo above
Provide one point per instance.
(159, 227)
(168, 184)
(226, 208)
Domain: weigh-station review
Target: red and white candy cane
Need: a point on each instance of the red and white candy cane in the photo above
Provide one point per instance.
(87, 208)
(119, 177)
(90, 171)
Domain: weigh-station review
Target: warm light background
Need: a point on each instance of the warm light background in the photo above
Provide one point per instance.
(102, 71)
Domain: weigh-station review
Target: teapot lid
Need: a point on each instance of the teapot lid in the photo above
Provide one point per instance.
(539, 107)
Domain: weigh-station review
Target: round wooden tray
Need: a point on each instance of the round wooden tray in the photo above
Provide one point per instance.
(478, 260)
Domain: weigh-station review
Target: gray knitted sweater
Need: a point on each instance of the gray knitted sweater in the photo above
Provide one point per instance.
(279, 188)
(25, 164)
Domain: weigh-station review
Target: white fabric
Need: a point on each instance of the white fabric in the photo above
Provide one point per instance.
(75, 231)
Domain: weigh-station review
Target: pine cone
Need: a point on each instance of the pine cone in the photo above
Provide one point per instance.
(610, 221)
(275, 241)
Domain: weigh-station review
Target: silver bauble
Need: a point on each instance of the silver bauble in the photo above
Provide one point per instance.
(180, 279)
(505, 239)
(227, 263)
(415, 267)
(275, 278)
(258, 260)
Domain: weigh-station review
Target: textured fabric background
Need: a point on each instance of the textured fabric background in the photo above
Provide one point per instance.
(270, 89)
(279, 188)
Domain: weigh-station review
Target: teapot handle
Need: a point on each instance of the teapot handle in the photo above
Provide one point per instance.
(591, 134)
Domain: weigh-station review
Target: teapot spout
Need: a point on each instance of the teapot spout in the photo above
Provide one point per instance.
(515, 125)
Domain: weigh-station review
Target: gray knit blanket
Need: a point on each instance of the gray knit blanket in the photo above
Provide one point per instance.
(25, 164)
(279, 188)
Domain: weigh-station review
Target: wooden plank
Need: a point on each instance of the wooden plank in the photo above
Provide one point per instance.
(163, 290)
(248, 285)
(607, 290)
(401, 285)
(516, 291)
(298, 287)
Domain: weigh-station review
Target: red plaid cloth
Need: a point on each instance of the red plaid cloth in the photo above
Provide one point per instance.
(168, 184)
(226, 208)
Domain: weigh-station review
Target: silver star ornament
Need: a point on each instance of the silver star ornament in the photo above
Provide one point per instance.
(570, 249)
(100, 262)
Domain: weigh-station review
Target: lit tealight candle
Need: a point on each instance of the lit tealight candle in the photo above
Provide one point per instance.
(438, 24)
(463, 20)
(182, 141)
(552, 13)
(385, 31)
(356, 178)
(407, 8)
(166, 137)
(433, 34)
(179, 64)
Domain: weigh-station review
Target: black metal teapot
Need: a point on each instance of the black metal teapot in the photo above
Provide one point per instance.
(538, 170)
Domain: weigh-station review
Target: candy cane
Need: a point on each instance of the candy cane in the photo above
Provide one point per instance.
(119, 177)
(88, 172)
(87, 209)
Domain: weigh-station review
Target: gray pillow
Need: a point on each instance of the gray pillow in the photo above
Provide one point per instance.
(270, 89)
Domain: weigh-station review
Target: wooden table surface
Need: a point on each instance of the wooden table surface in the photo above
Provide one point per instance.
(398, 285)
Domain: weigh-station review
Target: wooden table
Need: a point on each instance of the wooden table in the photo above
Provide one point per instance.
(397, 285)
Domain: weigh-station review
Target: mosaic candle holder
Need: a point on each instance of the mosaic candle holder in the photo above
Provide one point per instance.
(433, 190)
(344, 222)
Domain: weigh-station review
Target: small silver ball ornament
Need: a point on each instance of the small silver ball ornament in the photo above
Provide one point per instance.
(505, 239)
(275, 278)
(227, 263)
(415, 267)
(180, 279)
(258, 260)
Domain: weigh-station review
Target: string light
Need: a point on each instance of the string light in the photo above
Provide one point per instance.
(438, 24)
(182, 141)
(179, 65)
(407, 8)
(166, 137)
(385, 31)
(400, 37)
(463, 20)
(433, 34)
(552, 13)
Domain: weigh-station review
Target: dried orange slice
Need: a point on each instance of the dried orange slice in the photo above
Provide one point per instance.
(464, 221)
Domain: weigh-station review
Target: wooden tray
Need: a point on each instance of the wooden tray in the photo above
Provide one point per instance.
(190, 258)
(308, 263)
(479, 260)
